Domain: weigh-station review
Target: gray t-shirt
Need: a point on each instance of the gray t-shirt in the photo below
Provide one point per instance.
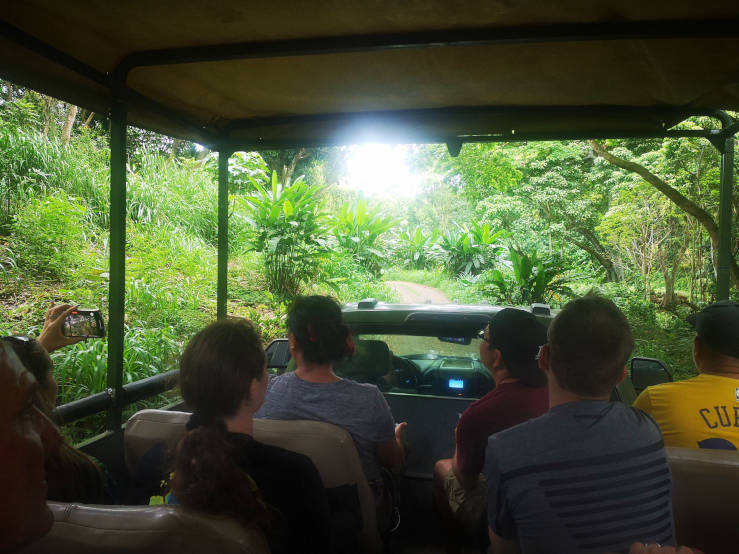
(586, 476)
(359, 408)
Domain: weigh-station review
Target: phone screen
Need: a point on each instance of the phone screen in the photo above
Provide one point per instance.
(84, 323)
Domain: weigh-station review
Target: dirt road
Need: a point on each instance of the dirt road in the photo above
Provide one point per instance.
(413, 293)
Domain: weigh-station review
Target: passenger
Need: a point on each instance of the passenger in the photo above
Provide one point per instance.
(319, 337)
(703, 412)
(26, 437)
(508, 350)
(220, 468)
(589, 475)
(72, 476)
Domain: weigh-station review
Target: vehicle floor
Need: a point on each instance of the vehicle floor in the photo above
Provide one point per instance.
(420, 530)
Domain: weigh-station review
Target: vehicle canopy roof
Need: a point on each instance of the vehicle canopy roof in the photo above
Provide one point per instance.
(283, 73)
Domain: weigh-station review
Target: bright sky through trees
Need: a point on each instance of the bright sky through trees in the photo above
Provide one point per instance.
(380, 170)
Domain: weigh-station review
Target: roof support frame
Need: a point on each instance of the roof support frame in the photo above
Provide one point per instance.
(727, 183)
(623, 30)
(222, 284)
(117, 245)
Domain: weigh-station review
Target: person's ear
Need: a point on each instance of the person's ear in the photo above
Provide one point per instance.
(621, 377)
(292, 341)
(543, 358)
(497, 359)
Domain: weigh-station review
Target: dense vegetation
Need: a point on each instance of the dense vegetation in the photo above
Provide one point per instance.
(501, 223)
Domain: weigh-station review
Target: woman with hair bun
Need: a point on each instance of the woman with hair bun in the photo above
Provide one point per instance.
(319, 337)
(220, 468)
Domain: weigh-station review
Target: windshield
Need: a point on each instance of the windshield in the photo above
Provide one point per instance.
(442, 366)
(408, 345)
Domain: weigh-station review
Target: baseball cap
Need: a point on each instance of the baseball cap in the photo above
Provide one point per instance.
(518, 336)
(718, 326)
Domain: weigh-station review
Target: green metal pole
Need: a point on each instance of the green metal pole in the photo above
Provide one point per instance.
(222, 293)
(117, 290)
(724, 222)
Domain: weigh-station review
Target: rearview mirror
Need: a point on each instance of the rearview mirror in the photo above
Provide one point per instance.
(456, 340)
(646, 372)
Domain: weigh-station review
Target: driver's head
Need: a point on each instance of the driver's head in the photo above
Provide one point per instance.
(589, 343)
(317, 328)
(26, 436)
(518, 335)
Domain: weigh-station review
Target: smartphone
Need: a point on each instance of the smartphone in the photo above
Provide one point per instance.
(84, 323)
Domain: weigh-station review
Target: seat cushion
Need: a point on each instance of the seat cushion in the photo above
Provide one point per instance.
(144, 530)
(704, 500)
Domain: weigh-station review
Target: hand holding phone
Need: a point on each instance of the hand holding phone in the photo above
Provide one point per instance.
(84, 323)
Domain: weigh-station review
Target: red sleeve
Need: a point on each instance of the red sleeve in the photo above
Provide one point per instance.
(470, 444)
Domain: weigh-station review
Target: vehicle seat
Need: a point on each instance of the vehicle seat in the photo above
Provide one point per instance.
(371, 361)
(705, 490)
(86, 529)
(331, 449)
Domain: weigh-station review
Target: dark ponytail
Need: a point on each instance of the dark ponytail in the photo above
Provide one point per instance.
(209, 477)
(318, 327)
(216, 371)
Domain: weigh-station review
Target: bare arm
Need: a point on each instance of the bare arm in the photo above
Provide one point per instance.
(392, 452)
(500, 545)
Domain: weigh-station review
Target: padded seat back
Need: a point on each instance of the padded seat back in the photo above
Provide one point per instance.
(704, 500)
(146, 428)
(331, 449)
(144, 530)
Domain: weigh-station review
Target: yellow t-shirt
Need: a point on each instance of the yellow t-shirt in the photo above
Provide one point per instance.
(702, 412)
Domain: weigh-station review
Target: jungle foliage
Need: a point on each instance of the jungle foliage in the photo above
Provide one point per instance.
(501, 223)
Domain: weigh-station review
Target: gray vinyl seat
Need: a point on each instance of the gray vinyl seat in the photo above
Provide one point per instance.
(371, 361)
(83, 529)
(331, 449)
(704, 499)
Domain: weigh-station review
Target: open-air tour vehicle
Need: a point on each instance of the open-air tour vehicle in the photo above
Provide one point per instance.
(269, 75)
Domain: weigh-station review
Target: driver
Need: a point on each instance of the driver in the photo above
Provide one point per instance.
(508, 349)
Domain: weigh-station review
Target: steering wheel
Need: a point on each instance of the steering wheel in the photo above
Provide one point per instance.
(406, 373)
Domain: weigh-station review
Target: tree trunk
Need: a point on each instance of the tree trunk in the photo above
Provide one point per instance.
(68, 124)
(175, 145)
(613, 274)
(287, 170)
(8, 91)
(681, 201)
(88, 120)
(47, 116)
(669, 300)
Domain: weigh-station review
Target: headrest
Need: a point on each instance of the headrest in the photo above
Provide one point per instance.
(144, 530)
(371, 360)
(146, 428)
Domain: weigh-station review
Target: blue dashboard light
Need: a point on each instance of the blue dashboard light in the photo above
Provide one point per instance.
(456, 384)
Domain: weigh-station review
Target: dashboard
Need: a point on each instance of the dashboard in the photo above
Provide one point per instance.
(441, 375)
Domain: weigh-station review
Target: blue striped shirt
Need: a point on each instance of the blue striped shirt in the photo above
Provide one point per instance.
(586, 476)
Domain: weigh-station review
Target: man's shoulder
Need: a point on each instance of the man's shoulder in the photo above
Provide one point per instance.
(620, 427)
(500, 397)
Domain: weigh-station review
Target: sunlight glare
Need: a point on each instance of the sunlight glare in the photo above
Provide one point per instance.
(380, 170)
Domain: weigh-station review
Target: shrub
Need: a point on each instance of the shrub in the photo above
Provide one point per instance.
(470, 248)
(358, 228)
(50, 234)
(288, 228)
